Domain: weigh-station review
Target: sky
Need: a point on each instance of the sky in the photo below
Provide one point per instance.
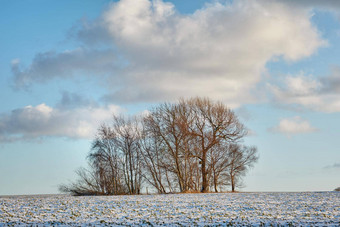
(67, 66)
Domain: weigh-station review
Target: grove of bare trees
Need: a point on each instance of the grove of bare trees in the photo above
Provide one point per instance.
(192, 145)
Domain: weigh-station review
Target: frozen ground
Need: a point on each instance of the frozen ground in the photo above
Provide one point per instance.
(246, 209)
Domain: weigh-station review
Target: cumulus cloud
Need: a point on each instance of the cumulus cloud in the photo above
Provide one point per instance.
(34, 122)
(295, 125)
(155, 53)
(319, 94)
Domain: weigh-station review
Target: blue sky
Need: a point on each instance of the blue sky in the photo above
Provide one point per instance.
(67, 66)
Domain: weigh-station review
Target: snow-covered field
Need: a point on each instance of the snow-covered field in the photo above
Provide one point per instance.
(248, 209)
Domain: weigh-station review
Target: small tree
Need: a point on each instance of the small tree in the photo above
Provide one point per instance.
(241, 159)
(154, 161)
(213, 124)
(168, 124)
(104, 175)
(90, 182)
(126, 140)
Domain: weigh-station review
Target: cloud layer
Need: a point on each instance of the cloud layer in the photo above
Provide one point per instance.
(321, 94)
(154, 53)
(36, 122)
(50, 65)
(292, 126)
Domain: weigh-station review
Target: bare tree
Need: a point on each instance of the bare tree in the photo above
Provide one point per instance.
(168, 124)
(152, 152)
(114, 161)
(105, 157)
(214, 124)
(241, 159)
(190, 130)
(126, 139)
(219, 164)
(87, 184)
(104, 175)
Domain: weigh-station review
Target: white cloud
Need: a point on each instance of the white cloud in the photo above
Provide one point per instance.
(309, 92)
(219, 51)
(302, 85)
(295, 125)
(34, 122)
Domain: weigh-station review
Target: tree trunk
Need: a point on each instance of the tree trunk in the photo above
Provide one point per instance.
(215, 182)
(204, 173)
(232, 183)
